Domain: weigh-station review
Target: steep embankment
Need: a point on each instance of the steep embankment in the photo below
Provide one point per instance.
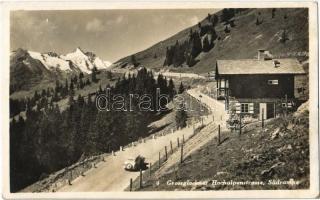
(243, 40)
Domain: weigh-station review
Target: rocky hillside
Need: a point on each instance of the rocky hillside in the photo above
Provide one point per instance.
(284, 32)
(28, 68)
(274, 157)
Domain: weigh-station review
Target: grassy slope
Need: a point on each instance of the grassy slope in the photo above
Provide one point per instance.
(243, 40)
(248, 157)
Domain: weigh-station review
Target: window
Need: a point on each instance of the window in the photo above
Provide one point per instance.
(244, 108)
(273, 82)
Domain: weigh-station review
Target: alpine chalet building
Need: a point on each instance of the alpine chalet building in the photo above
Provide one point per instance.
(261, 86)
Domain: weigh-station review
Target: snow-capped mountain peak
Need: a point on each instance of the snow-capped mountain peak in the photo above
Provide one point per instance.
(77, 61)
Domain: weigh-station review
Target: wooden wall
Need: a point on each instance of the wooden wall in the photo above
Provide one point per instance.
(256, 86)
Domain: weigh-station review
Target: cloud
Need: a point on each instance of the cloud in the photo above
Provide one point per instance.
(117, 20)
(95, 25)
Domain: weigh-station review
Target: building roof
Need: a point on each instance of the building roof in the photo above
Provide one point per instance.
(254, 66)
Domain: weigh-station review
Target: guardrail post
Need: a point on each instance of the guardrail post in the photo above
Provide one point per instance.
(70, 177)
(130, 184)
(82, 173)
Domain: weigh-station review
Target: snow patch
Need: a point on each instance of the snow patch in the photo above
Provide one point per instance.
(107, 63)
(78, 59)
(50, 62)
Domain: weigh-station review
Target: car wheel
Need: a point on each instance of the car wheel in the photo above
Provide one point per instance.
(129, 166)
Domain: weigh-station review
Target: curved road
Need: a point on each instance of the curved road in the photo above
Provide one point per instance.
(110, 175)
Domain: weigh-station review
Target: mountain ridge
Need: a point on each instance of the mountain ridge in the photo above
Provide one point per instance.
(247, 31)
(28, 68)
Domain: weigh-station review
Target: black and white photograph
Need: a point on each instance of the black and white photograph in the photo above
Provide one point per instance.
(149, 100)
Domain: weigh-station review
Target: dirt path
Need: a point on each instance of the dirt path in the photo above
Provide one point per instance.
(110, 175)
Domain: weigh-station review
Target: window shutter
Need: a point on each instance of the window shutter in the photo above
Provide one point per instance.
(238, 107)
(251, 108)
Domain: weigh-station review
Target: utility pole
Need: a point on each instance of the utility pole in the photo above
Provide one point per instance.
(262, 121)
(140, 182)
(219, 134)
(181, 157)
(286, 97)
(159, 160)
(165, 148)
(240, 124)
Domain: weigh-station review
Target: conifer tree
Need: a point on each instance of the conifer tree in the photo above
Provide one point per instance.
(181, 88)
(284, 36)
(134, 61)
(66, 87)
(181, 117)
(109, 75)
(273, 13)
(94, 76)
(171, 89)
(206, 45)
(215, 20)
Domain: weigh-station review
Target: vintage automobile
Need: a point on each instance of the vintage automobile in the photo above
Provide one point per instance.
(134, 164)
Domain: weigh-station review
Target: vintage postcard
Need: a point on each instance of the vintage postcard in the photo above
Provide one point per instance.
(153, 100)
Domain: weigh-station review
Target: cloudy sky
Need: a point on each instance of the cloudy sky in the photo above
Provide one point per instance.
(111, 34)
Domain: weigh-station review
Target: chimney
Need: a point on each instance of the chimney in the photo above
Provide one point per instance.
(260, 52)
